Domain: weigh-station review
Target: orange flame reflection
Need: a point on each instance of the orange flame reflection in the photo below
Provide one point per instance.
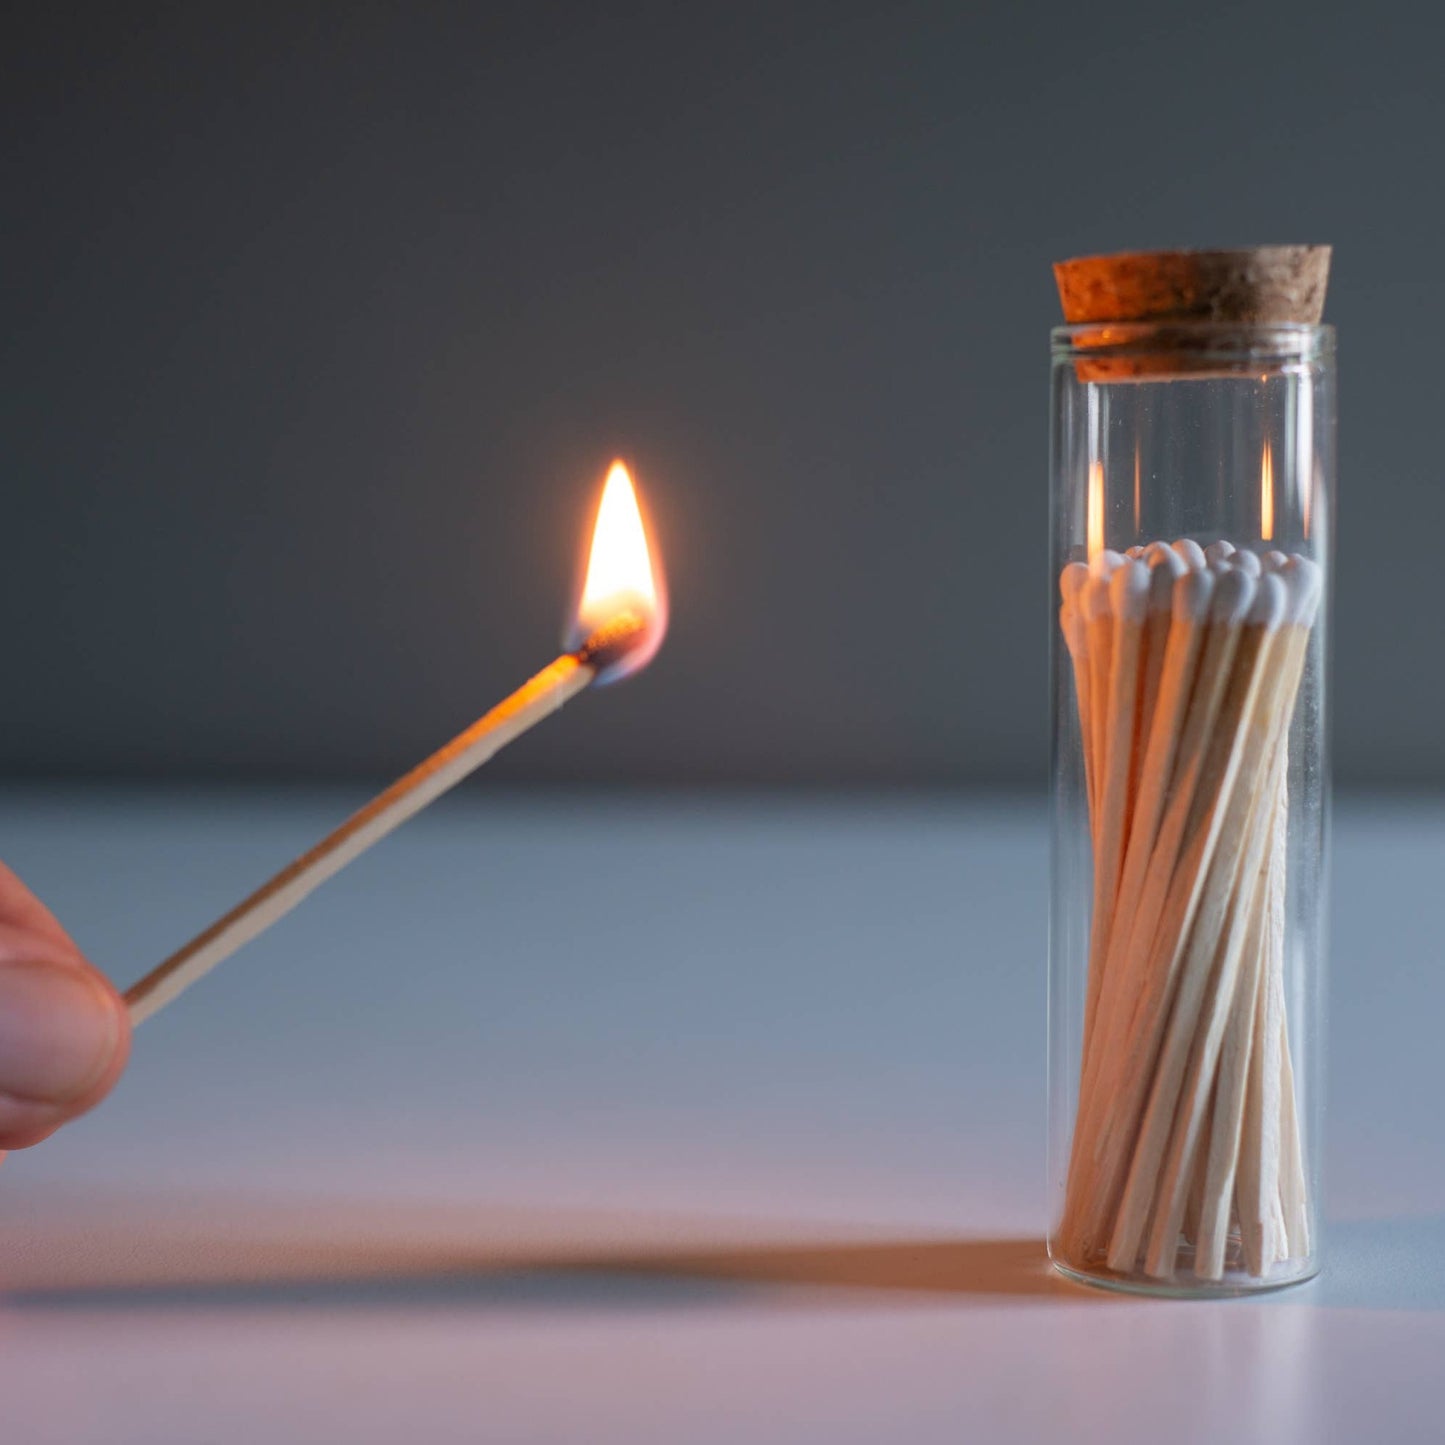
(1094, 514)
(623, 574)
(1266, 494)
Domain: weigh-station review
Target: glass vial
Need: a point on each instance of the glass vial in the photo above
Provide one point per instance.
(1192, 502)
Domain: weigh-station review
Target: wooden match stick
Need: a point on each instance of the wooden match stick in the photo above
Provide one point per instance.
(1161, 924)
(1205, 1003)
(1220, 1159)
(1307, 583)
(1188, 618)
(1236, 1016)
(1221, 834)
(1201, 1009)
(1166, 567)
(1291, 1186)
(1099, 636)
(1126, 1033)
(1256, 1184)
(1194, 1209)
(1128, 602)
(1185, 986)
(541, 695)
(1270, 1187)
(1293, 1193)
(1072, 581)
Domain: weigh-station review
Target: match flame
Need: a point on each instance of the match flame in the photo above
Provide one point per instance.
(1094, 517)
(623, 576)
(1266, 494)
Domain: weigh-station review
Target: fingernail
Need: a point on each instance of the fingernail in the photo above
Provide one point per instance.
(59, 1032)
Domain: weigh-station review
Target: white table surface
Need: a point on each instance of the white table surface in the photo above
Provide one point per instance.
(679, 1120)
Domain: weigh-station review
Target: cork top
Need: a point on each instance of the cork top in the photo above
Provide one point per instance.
(1255, 285)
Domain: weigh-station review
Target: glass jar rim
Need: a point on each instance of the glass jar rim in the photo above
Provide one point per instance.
(1195, 341)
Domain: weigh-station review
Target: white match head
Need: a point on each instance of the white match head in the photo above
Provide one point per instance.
(1157, 549)
(1191, 551)
(1246, 562)
(1305, 582)
(1094, 603)
(1129, 591)
(1233, 594)
(1166, 567)
(1134, 552)
(1270, 599)
(1104, 561)
(1273, 561)
(1192, 595)
(1072, 581)
(1218, 551)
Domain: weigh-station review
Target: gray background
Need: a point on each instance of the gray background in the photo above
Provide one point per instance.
(322, 322)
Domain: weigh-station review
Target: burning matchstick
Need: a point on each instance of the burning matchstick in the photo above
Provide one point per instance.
(620, 622)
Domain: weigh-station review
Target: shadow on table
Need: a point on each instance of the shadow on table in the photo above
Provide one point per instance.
(1392, 1265)
(95, 1260)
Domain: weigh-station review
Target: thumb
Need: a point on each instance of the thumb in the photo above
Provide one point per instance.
(64, 1034)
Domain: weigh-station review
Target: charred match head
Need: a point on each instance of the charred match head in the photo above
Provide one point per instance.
(614, 642)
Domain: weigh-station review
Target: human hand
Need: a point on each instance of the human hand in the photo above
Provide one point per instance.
(64, 1030)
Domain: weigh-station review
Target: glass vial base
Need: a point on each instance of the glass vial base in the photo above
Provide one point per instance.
(1184, 1284)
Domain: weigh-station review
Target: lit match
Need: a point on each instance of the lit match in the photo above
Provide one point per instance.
(619, 624)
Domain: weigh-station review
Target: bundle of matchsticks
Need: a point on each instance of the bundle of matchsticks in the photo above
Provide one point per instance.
(1187, 662)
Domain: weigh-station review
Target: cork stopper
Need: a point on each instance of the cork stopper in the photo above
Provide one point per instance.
(1252, 286)
(1259, 285)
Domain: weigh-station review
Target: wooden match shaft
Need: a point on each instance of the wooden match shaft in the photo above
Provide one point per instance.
(1154, 645)
(1128, 598)
(406, 797)
(1292, 1185)
(1072, 581)
(1217, 1158)
(1176, 668)
(1236, 837)
(1263, 1229)
(1099, 635)
(1116, 1070)
(1255, 817)
(1161, 1038)
(1256, 1175)
(1204, 1038)
(1290, 1169)
(1222, 989)
(1185, 845)
(1263, 1232)
(1194, 1207)
(1071, 624)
